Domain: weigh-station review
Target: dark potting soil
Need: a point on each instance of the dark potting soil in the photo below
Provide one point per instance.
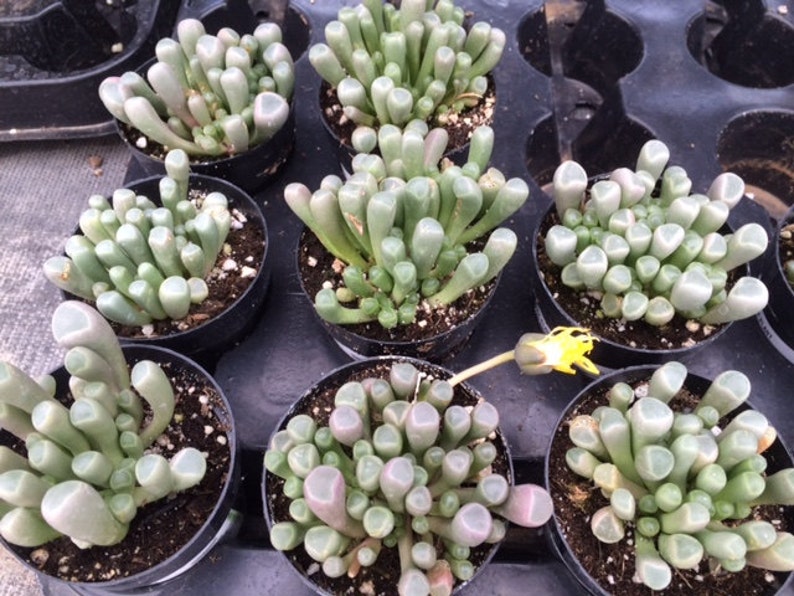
(317, 266)
(381, 578)
(459, 127)
(161, 528)
(585, 309)
(234, 271)
(612, 565)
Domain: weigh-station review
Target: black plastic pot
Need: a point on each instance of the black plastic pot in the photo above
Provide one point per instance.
(775, 319)
(436, 348)
(221, 525)
(251, 170)
(206, 341)
(607, 354)
(778, 457)
(465, 395)
(53, 55)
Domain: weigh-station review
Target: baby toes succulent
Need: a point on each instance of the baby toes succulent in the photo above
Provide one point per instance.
(139, 262)
(209, 95)
(404, 222)
(408, 461)
(649, 248)
(391, 65)
(684, 483)
(402, 464)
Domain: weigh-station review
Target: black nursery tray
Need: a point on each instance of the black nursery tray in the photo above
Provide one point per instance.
(591, 81)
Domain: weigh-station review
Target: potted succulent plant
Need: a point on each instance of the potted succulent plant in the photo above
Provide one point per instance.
(643, 261)
(392, 473)
(400, 247)
(185, 270)
(662, 480)
(779, 277)
(224, 99)
(96, 460)
(384, 64)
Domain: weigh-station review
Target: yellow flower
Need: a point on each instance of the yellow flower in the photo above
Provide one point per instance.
(538, 354)
(560, 350)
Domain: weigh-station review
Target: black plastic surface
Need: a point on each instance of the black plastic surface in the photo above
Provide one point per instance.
(48, 82)
(602, 117)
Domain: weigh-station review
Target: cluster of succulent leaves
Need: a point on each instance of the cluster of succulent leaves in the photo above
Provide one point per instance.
(399, 465)
(685, 482)
(391, 65)
(649, 248)
(86, 472)
(140, 262)
(403, 224)
(209, 95)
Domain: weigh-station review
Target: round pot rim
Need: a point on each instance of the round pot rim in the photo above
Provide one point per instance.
(347, 369)
(217, 524)
(773, 319)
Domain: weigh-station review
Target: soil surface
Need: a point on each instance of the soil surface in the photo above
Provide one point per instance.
(161, 528)
(612, 565)
(381, 578)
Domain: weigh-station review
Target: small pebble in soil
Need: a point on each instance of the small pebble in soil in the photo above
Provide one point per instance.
(692, 326)
(40, 556)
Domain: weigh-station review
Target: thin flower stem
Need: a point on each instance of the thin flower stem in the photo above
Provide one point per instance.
(482, 367)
